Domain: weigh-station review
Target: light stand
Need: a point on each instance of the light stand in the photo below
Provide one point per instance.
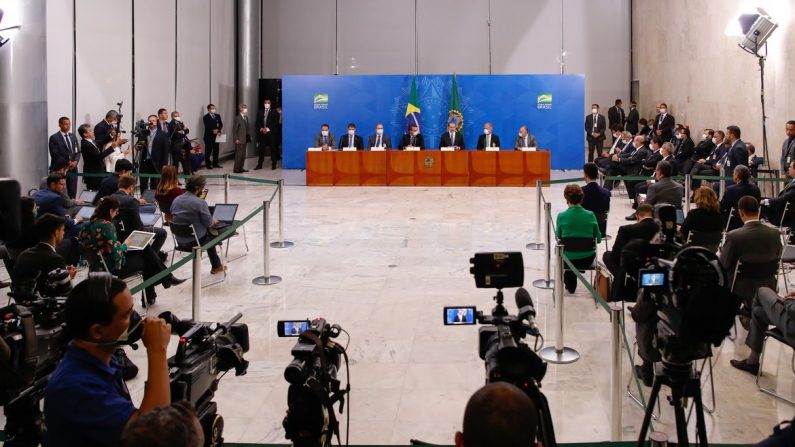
(761, 60)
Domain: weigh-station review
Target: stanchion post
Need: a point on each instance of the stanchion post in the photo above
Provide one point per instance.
(266, 279)
(601, 179)
(688, 192)
(559, 353)
(281, 243)
(538, 245)
(226, 188)
(776, 185)
(615, 373)
(197, 284)
(722, 185)
(546, 282)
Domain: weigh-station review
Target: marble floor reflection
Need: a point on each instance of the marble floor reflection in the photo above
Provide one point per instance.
(382, 262)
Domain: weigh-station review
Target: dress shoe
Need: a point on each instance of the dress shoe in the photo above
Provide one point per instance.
(258, 167)
(743, 365)
(632, 216)
(237, 172)
(217, 165)
(208, 167)
(273, 166)
(219, 269)
(244, 170)
(644, 377)
(172, 281)
(162, 255)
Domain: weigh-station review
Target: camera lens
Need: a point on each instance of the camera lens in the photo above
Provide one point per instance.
(294, 373)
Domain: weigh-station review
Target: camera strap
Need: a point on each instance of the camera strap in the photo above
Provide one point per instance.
(316, 387)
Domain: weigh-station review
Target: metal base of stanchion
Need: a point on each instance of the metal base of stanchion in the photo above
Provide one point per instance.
(544, 284)
(535, 246)
(282, 244)
(552, 355)
(266, 281)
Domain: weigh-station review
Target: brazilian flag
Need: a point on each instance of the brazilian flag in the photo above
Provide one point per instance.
(454, 111)
(413, 107)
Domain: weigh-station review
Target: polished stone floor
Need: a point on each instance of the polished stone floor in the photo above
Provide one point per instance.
(381, 263)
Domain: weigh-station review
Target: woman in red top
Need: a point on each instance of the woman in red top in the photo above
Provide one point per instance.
(167, 190)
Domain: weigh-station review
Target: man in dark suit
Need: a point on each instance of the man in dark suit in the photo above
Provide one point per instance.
(741, 188)
(35, 263)
(452, 138)
(351, 140)
(738, 153)
(51, 201)
(704, 147)
(768, 309)
(94, 155)
(596, 199)
(755, 243)
(488, 139)
(788, 147)
(595, 125)
(773, 209)
(664, 124)
(644, 229)
(160, 153)
(267, 121)
(180, 143)
(633, 118)
(615, 115)
(524, 139)
(130, 214)
(665, 190)
(628, 163)
(105, 130)
(241, 136)
(63, 147)
(710, 165)
(379, 139)
(412, 139)
(110, 184)
(213, 125)
(325, 139)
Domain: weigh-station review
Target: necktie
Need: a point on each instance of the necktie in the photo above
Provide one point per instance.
(350, 141)
(411, 141)
(524, 141)
(452, 140)
(212, 115)
(265, 119)
(325, 139)
(68, 143)
(594, 122)
(378, 141)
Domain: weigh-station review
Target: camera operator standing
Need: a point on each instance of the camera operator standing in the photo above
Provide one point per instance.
(86, 401)
(180, 143)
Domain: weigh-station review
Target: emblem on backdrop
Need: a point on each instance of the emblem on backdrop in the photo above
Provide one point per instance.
(544, 101)
(321, 101)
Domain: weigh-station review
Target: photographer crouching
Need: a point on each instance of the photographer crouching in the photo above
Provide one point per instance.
(86, 401)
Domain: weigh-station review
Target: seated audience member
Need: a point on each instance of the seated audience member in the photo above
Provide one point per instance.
(741, 188)
(168, 189)
(351, 140)
(175, 425)
(604, 156)
(379, 139)
(86, 401)
(645, 130)
(665, 190)
(705, 217)
(684, 153)
(412, 139)
(189, 209)
(773, 209)
(754, 161)
(499, 414)
(704, 147)
(130, 214)
(36, 262)
(325, 138)
(768, 309)
(628, 163)
(711, 164)
(110, 184)
(28, 237)
(488, 138)
(576, 222)
(753, 243)
(596, 199)
(61, 167)
(51, 200)
(99, 236)
(646, 228)
(524, 139)
(648, 166)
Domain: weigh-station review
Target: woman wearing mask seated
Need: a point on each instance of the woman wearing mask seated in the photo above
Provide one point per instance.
(99, 236)
(167, 190)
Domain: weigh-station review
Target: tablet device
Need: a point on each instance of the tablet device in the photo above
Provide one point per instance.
(87, 196)
(85, 212)
(138, 240)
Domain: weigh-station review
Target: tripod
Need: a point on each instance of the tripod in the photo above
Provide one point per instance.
(684, 382)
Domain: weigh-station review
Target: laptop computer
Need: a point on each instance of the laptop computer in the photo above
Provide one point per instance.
(87, 196)
(149, 196)
(138, 240)
(224, 213)
(85, 212)
(149, 219)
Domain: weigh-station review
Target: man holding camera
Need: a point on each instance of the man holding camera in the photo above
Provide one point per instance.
(180, 143)
(86, 401)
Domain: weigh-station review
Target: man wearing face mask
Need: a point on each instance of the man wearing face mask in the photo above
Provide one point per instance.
(180, 143)
(351, 140)
(633, 118)
(664, 124)
(615, 115)
(242, 137)
(628, 163)
(488, 139)
(595, 126)
(524, 139)
(267, 121)
(379, 139)
(788, 147)
(325, 139)
(105, 131)
(604, 160)
(705, 146)
(710, 165)
(86, 400)
(413, 138)
(212, 128)
(737, 154)
(648, 166)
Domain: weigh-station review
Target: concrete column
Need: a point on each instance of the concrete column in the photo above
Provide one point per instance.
(248, 57)
(23, 94)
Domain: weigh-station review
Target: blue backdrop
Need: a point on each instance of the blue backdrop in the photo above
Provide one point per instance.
(507, 101)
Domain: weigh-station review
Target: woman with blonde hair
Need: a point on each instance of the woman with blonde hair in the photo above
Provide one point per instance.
(706, 216)
(168, 189)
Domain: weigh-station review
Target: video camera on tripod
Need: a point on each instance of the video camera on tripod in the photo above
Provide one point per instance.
(314, 387)
(205, 353)
(506, 357)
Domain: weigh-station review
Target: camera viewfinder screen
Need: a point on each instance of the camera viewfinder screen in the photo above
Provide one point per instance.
(459, 315)
(294, 328)
(652, 279)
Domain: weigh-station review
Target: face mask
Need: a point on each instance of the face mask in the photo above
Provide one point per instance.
(615, 135)
(244, 111)
(520, 135)
(415, 133)
(594, 111)
(714, 141)
(663, 111)
(704, 136)
(351, 132)
(212, 110)
(626, 141)
(486, 131)
(324, 133)
(177, 119)
(267, 106)
(131, 335)
(379, 131)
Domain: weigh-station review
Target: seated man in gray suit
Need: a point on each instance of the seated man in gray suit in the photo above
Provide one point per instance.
(769, 309)
(752, 244)
(665, 190)
(379, 139)
(325, 139)
(524, 139)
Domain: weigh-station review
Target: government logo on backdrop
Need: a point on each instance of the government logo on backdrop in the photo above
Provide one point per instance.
(321, 101)
(544, 101)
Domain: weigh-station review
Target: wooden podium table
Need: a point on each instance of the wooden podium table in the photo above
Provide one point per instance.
(426, 168)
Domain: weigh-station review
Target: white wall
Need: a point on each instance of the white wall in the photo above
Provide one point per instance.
(184, 59)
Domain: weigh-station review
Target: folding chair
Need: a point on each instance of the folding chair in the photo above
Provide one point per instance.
(187, 231)
(708, 239)
(753, 270)
(581, 244)
(726, 228)
(132, 280)
(776, 335)
(601, 220)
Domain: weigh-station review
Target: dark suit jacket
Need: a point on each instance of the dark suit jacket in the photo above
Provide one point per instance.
(777, 205)
(161, 149)
(59, 151)
(615, 115)
(129, 213)
(667, 191)
(358, 142)
(178, 138)
(37, 261)
(93, 156)
(419, 141)
(665, 125)
(632, 121)
(704, 148)
(211, 124)
(649, 164)
(102, 133)
(685, 149)
(596, 199)
(272, 122)
(51, 202)
(109, 185)
(645, 229)
(495, 141)
(600, 127)
(631, 163)
(787, 153)
(754, 242)
(385, 141)
(734, 193)
(329, 139)
(738, 155)
(701, 219)
(444, 140)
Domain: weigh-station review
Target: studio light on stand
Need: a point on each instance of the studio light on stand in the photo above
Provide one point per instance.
(13, 29)
(756, 29)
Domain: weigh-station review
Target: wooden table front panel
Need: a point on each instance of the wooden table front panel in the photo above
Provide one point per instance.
(455, 168)
(373, 168)
(348, 168)
(320, 168)
(400, 168)
(428, 168)
(482, 168)
(537, 166)
(510, 168)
